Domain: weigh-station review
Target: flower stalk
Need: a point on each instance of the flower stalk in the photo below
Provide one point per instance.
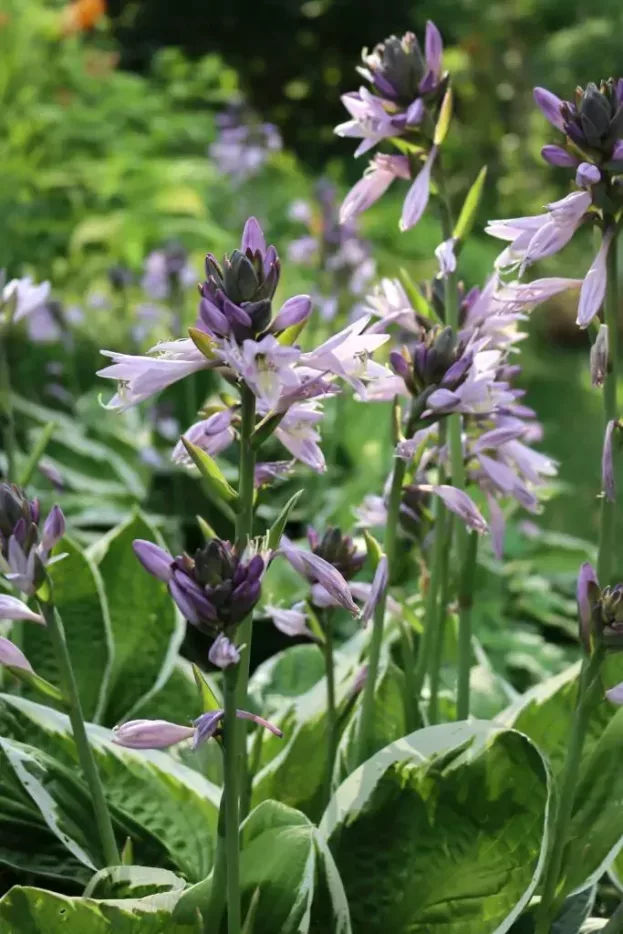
(608, 507)
(232, 776)
(466, 599)
(6, 410)
(440, 626)
(76, 717)
(332, 723)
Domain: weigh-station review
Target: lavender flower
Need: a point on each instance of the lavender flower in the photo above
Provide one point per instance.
(599, 357)
(593, 122)
(337, 549)
(212, 435)
(21, 298)
(593, 289)
(458, 502)
(587, 175)
(378, 588)
(377, 178)
(14, 609)
(446, 258)
(418, 194)
(317, 570)
(24, 546)
(223, 653)
(214, 591)
(160, 734)
(292, 622)
(12, 657)
(348, 355)
(268, 472)
(600, 611)
(243, 145)
(165, 270)
(607, 463)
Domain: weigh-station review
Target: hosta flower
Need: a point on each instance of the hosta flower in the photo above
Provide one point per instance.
(265, 365)
(160, 734)
(377, 178)
(267, 472)
(593, 122)
(165, 269)
(243, 145)
(11, 656)
(24, 546)
(292, 622)
(215, 590)
(223, 652)
(212, 435)
(348, 355)
(317, 570)
(599, 357)
(389, 302)
(22, 297)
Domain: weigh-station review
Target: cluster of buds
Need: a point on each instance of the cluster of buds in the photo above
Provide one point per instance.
(25, 547)
(601, 611)
(236, 297)
(338, 550)
(593, 123)
(401, 72)
(437, 360)
(216, 590)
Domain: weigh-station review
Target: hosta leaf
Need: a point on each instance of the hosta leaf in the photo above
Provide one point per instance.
(146, 626)
(80, 599)
(175, 805)
(34, 911)
(442, 831)
(134, 882)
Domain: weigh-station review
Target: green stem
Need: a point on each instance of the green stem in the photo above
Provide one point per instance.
(230, 790)
(76, 717)
(331, 706)
(608, 509)
(440, 626)
(408, 665)
(6, 410)
(440, 545)
(251, 772)
(391, 538)
(216, 902)
(568, 782)
(466, 599)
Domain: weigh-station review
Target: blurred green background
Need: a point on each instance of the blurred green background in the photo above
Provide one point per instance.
(107, 113)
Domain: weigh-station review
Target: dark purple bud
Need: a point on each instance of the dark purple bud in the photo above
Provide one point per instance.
(53, 529)
(294, 311)
(433, 49)
(207, 726)
(558, 156)
(154, 559)
(236, 315)
(213, 318)
(415, 113)
(617, 152)
(401, 367)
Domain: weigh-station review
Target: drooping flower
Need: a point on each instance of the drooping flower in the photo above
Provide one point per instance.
(348, 355)
(292, 622)
(216, 590)
(593, 289)
(607, 463)
(223, 653)
(418, 195)
(212, 435)
(458, 502)
(160, 734)
(377, 178)
(317, 570)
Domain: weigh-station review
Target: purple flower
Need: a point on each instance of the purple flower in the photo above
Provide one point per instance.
(377, 178)
(526, 295)
(165, 267)
(291, 622)
(433, 48)
(160, 734)
(417, 196)
(556, 155)
(587, 175)
(446, 258)
(458, 502)
(593, 289)
(266, 473)
(24, 547)
(214, 591)
(298, 434)
(588, 594)
(243, 146)
(212, 435)
(370, 120)
(294, 311)
(550, 106)
(21, 297)
(14, 609)
(266, 366)
(599, 356)
(315, 569)
(607, 464)
(223, 653)
(348, 356)
(379, 586)
(615, 695)
(12, 657)
(140, 377)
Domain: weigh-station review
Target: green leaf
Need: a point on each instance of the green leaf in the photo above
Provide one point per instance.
(80, 599)
(211, 474)
(442, 831)
(132, 882)
(574, 912)
(276, 530)
(209, 701)
(175, 805)
(38, 685)
(176, 700)
(35, 911)
(469, 211)
(443, 121)
(420, 304)
(147, 629)
(283, 857)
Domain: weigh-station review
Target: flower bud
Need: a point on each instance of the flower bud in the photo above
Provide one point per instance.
(339, 550)
(587, 175)
(599, 357)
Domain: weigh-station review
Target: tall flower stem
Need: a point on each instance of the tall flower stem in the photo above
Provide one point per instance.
(588, 676)
(391, 536)
(231, 790)
(439, 628)
(466, 600)
(608, 509)
(6, 409)
(441, 546)
(332, 725)
(451, 298)
(76, 717)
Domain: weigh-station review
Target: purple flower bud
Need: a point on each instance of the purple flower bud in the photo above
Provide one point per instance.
(417, 196)
(593, 289)
(223, 653)
(617, 152)
(253, 238)
(458, 502)
(53, 529)
(607, 465)
(446, 258)
(401, 367)
(433, 49)
(290, 622)
(587, 596)
(320, 571)
(558, 156)
(150, 734)
(213, 317)
(550, 107)
(154, 559)
(294, 311)
(379, 586)
(13, 657)
(269, 471)
(12, 608)
(587, 175)
(599, 356)
(415, 112)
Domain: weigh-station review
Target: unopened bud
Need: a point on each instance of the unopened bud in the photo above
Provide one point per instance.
(599, 356)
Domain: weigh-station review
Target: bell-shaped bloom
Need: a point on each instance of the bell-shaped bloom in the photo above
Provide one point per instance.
(160, 734)
(223, 653)
(376, 180)
(389, 302)
(292, 622)
(588, 594)
(550, 106)
(298, 433)
(12, 657)
(458, 502)
(24, 297)
(13, 609)
(370, 121)
(316, 570)
(266, 366)
(348, 355)
(593, 289)
(418, 195)
(607, 463)
(140, 377)
(212, 435)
